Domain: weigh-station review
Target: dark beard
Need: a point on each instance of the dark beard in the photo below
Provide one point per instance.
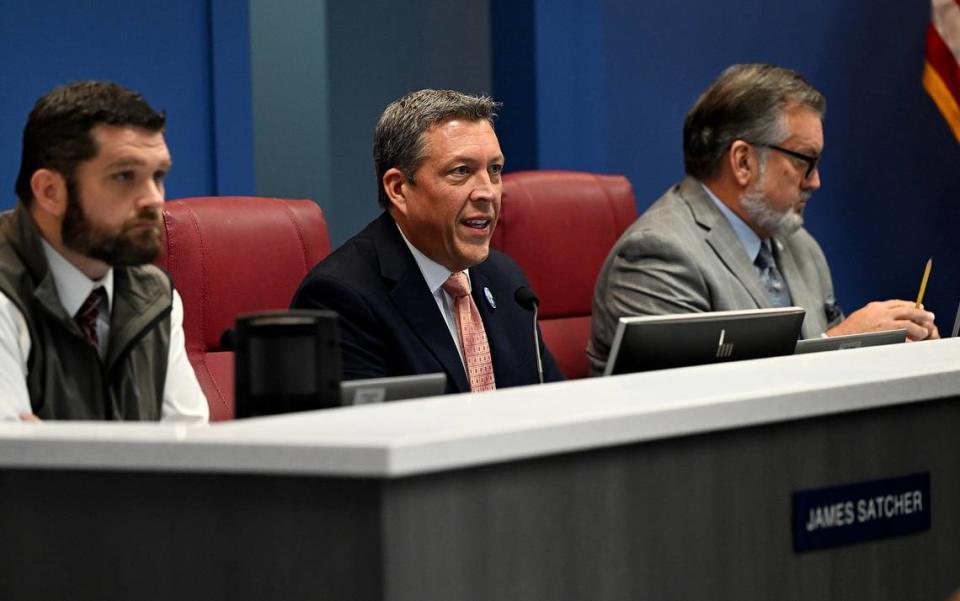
(117, 250)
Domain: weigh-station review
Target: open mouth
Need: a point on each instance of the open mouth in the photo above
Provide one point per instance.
(480, 224)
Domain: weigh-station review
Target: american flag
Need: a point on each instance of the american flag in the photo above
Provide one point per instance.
(941, 70)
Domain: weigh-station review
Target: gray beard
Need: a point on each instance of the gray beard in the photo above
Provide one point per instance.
(778, 223)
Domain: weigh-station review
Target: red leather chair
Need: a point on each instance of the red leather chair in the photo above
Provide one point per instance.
(559, 226)
(232, 255)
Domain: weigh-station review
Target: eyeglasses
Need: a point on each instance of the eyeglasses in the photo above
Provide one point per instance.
(811, 161)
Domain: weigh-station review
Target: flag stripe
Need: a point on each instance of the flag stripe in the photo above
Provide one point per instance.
(943, 98)
(941, 70)
(945, 17)
(942, 61)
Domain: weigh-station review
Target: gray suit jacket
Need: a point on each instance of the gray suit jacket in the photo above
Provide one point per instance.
(682, 256)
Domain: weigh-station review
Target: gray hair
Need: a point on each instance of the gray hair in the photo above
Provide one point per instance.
(399, 139)
(745, 103)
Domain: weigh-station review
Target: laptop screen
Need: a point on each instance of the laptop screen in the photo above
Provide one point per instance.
(836, 343)
(665, 341)
(956, 324)
(378, 390)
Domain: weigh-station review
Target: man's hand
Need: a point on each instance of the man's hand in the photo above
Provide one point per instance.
(889, 315)
(29, 417)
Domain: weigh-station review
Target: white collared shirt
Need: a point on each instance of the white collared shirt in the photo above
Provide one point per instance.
(435, 275)
(183, 400)
(73, 288)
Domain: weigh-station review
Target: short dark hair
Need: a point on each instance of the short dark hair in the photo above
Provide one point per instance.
(745, 103)
(57, 134)
(399, 138)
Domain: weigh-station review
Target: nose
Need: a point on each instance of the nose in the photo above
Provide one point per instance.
(153, 196)
(813, 182)
(486, 188)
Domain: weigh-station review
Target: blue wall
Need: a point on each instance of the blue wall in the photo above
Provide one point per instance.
(587, 85)
(187, 57)
(613, 80)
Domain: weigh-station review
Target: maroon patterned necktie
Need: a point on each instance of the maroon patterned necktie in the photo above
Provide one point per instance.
(86, 316)
(473, 336)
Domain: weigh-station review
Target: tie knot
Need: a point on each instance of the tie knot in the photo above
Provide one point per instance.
(457, 285)
(764, 258)
(91, 306)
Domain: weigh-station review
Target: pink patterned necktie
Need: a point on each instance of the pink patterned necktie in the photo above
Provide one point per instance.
(476, 350)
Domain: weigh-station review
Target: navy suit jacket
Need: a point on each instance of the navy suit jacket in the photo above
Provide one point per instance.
(390, 324)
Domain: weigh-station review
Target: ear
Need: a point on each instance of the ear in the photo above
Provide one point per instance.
(49, 189)
(394, 184)
(743, 162)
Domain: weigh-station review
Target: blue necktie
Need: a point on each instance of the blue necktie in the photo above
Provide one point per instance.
(771, 278)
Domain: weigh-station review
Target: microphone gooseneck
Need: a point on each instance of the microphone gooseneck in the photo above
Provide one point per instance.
(527, 299)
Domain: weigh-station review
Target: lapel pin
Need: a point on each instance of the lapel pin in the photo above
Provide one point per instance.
(489, 295)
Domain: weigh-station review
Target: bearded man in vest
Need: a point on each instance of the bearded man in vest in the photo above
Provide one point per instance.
(90, 330)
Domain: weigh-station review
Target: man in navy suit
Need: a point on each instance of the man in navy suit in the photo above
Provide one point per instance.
(438, 167)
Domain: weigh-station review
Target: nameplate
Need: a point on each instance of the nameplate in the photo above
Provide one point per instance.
(853, 513)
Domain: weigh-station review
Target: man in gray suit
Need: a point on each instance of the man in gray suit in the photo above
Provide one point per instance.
(730, 235)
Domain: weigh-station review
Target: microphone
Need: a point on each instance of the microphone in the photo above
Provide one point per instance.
(527, 299)
(228, 340)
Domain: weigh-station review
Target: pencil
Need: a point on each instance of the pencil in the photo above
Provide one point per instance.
(923, 282)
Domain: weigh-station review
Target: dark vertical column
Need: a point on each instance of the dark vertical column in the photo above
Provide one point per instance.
(291, 123)
(379, 51)
(324, 71)
(231, 106)
(513, 52)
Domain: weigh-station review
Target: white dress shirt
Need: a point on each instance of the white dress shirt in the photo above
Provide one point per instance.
(183, 400)
(436, 274)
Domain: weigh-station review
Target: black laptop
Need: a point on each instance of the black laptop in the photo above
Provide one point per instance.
(665, 341)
